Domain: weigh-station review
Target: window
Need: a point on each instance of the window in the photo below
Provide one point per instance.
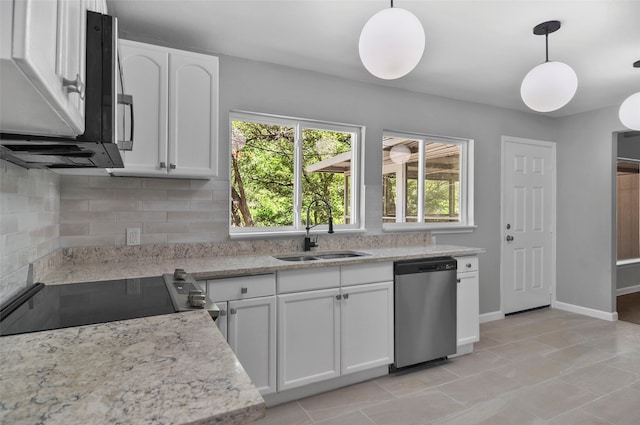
(426, 181)
(628, 210)
(280, 165)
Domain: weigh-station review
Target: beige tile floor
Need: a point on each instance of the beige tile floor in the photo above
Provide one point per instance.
(541, 367)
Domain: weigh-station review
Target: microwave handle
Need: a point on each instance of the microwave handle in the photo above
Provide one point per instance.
(127, 99)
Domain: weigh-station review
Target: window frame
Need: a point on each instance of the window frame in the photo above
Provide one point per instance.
(467, 223)
(299, 213)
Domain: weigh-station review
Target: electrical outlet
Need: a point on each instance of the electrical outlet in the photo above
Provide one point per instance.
(133, 236)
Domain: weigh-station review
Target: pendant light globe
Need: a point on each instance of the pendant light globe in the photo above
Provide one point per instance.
(630, 112)
(391, 43)
(549, 86)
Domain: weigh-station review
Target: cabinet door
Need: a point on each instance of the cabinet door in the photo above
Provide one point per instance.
(48, 47)
(145, 77)
(193, 115)
(367, 326)
(308, 337)
(252, 337)
(468, 316)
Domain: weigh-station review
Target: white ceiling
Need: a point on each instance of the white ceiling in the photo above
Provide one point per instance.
(476, 50)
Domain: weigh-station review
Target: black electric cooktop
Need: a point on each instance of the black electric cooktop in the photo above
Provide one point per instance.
(43, 307)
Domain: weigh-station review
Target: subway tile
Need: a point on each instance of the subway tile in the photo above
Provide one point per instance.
(160, 183)
(153, 238)
(202, 226)
(128, 194)
(90, 240)
(191, 237)
(142, 216)
(74, 229)
(116, 228)
(74, 205)
(209, 184)
(88, 193)
(126, 205)
(220, 207)
(165, 205)
(190, 216)
(115, 182)
(76, 181)
(87, 216)
(154, 195)
(9, 223)
(165, 228)
(189, 195)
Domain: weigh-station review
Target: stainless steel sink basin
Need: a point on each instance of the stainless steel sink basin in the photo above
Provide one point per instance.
(329, 255)
(339, 254)
(297, 258)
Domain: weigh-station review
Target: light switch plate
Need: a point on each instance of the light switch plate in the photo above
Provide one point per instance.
(133, 236)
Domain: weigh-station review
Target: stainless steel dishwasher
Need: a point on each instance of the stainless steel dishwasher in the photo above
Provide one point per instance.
(425, 293)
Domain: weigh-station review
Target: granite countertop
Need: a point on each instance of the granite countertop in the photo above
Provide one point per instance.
(225, 266)
(169, 369)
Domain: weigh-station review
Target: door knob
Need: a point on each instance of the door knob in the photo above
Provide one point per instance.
(509, 238)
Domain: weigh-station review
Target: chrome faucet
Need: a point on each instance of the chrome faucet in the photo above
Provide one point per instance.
(308, 243)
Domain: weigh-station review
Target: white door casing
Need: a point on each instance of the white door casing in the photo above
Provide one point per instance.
(527, 223)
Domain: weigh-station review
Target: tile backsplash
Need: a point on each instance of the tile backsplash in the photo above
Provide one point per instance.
(29, 217)
(96, 210)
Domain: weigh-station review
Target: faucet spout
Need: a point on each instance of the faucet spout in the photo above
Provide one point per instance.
(308, 243)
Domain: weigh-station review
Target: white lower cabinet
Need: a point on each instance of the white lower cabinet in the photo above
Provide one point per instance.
(343, 329)
(249, 324)
(308, 337)
(366, 326)
(468, 315)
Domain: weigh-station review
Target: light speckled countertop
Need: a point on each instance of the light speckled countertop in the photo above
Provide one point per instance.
(223, 266)
(169, 369)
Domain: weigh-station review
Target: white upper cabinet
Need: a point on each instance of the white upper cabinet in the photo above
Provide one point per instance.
(42, 58)
(175, 101)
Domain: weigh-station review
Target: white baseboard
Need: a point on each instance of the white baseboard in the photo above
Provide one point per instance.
(628, 290)
(598, 314)
(491, 316)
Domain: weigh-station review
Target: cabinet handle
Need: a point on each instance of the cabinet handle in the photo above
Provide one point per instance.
(74, 86)
(458, 280)
(172, 166)
(234, 311)
(223, 312)
(338, 297)
(468, 265)
(163, 165)
(243, 290)
(345, 296)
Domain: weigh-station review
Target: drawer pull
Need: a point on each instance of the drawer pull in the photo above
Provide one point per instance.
(234, 311)
(243, 290)
(346, 296)
(74, 86)
(458, 280)
(468, 265)
(223, 312)
(338, 297)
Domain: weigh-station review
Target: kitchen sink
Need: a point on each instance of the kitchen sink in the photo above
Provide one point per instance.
(329, 255)
(339, 254)
(297, 258)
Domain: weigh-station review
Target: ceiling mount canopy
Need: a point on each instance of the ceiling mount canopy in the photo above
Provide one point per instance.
(550, 85)
(391, 43)
(630, 109)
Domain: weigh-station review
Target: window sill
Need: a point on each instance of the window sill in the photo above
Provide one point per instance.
(435, 230)
(629, 262)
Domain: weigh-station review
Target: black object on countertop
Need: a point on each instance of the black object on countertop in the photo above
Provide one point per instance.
(41, 307)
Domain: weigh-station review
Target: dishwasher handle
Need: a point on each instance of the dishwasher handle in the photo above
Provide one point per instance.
(425, 265)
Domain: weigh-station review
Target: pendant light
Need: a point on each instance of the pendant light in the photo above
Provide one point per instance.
(630, 109)
(550, 85)
(391, 43)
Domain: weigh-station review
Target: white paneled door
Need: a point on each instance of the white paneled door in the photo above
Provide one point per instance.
(528, 223)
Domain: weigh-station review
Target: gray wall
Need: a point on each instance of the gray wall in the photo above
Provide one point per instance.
(585, 232)
(260, 87)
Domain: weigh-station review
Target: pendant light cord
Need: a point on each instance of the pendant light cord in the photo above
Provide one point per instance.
(391, 3)
(546, 41)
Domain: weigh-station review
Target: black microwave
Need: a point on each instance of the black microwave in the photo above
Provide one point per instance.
(100, 145)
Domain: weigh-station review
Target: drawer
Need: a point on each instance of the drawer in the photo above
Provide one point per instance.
(358, 274)
(242, 287)
(467, 264)
(308, 279)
